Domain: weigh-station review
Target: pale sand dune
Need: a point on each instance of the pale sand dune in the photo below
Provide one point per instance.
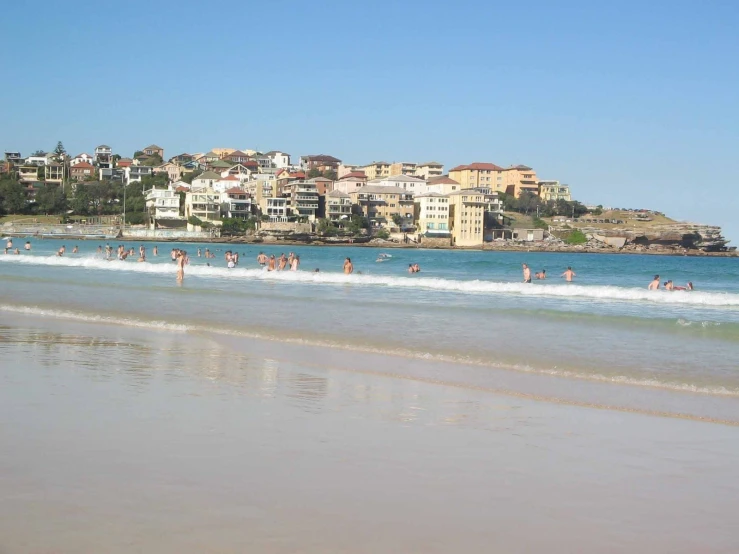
(118, 440)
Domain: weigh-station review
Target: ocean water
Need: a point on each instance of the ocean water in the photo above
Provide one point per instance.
(465, 307)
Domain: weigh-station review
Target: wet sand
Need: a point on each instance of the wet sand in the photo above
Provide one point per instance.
(121, 440)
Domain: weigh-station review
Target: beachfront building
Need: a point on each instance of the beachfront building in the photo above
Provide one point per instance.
(517, 179)
(321, 162)
(203, 203)
(376, 170)
(275, 208)
(80, 158)
(433, 214)
(163, 204)
(235, 203)
(383, 205)
(302, 199)
(428, 170)
(338, 206)
(551, 191)
(411, 184)
(478, 174)
(442, 185)
(402, 168)
(103, 157)
(467, 217)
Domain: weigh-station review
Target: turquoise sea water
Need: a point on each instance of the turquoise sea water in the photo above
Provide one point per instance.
(464, 306)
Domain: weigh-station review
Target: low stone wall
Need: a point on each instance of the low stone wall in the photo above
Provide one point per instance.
(432, 242)
(166, 234)
(285, 227)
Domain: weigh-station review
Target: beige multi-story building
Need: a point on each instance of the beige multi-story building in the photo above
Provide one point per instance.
(476, 174)
(54, 173)
(551, 191)
(345, 169)
(380, 204)
(402, 168)
(338, 205)
(433, 214)
(519, 178)
(406, 182)
(428, 170)
(203, 203)
(467, 217)
(302, 199)
(442, 185)
(376, 170)
(350, 183)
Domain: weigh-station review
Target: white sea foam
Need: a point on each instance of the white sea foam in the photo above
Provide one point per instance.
(595, 293)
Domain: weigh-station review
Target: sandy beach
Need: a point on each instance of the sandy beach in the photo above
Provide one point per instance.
(182, 443)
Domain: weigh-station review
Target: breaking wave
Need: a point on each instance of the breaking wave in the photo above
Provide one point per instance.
(596, 293)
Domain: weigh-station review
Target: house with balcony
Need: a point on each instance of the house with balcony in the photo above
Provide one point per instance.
(13, 158)
(28, 173)
(54, 173)
(115, 174)
(303, 199)
(103, 157)
(163, 205)
(338, 206)
(551, 191)
(137, 172)
(173, 171)
(376, 170)
(380, 204)
(235, 203)
(519, 178)
(203, 203)
(81, 171)
(237, 157)
(433, 215)
(40, 159)
(154, 150)
(274, 207)
(429, 170)
(402, 168)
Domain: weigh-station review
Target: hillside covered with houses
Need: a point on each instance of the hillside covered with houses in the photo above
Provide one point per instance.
(228, 191)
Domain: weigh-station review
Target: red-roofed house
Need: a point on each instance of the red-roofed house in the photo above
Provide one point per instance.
(361, 175)
(81, 171)
(235, 203)
(238, 157)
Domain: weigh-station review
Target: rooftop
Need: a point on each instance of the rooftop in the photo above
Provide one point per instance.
(208, 175)
(153, 147)
(375, 189)
(442, 180)
(321, 158)
(478, 166)
(338, 194)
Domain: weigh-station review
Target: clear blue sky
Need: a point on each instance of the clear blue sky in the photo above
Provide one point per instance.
(631, 103)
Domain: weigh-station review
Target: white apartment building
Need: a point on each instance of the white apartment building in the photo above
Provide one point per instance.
(163, 203)
(433, 214)
(414, 185)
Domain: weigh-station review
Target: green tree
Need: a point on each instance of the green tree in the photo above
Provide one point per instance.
(59, 151)
(331, 174)
(39, 153)
(138, 154)
(528, 202)
(383, 234)
(12, 196)
(326, 228)
(80, 203)
(188, 177)
(397, 219)
(357, 223)
(575, 236)
(313, 173)
(51, 200)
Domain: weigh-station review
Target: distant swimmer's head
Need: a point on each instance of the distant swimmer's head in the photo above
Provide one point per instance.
(656, 277)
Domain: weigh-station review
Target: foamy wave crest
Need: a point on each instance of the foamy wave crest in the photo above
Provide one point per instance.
(595, 293)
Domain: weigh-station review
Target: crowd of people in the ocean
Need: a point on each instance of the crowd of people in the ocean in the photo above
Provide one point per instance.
(291, 262)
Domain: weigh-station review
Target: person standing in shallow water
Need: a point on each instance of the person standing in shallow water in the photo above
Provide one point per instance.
(654, 285)
(180, 259)
(526, 274)
(569, 274)
(348, 266)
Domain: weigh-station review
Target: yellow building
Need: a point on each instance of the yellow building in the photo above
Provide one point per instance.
(519, 178)
(478, 174)
(551, 191)
(223, 152)
(429, 170)
(402, 168)
(467, 217)
(379, 204)
(376, 170)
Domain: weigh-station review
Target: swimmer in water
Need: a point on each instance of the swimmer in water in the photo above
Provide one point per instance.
(75, 250)
(526, 273)
(687, 287)
(669, 285)
(348, 266)
(61, 251)
(262, 259)
(295, 263)
(654, 285)
(27, 246)
(542, 274)
(569, 275)
(180, 259)
(155, 250)
(272, 261)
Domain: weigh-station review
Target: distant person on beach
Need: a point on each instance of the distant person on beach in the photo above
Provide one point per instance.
(173, 254)
(235, 258)
(669, 285)
(9, 244)
(199, 252)
(410, 268)
(526, 274)
(569, 274)
(155, 250)
(180, 259)
(283, 262)
(290, 258)
(262, 259)
(654, 285)
(27, 246)
(100, 249)
(542, 274)
(348, 266)
(16, 251)
(75, 250)
(687, 287)
(142, 252)
(272, 261)
(61, 251)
